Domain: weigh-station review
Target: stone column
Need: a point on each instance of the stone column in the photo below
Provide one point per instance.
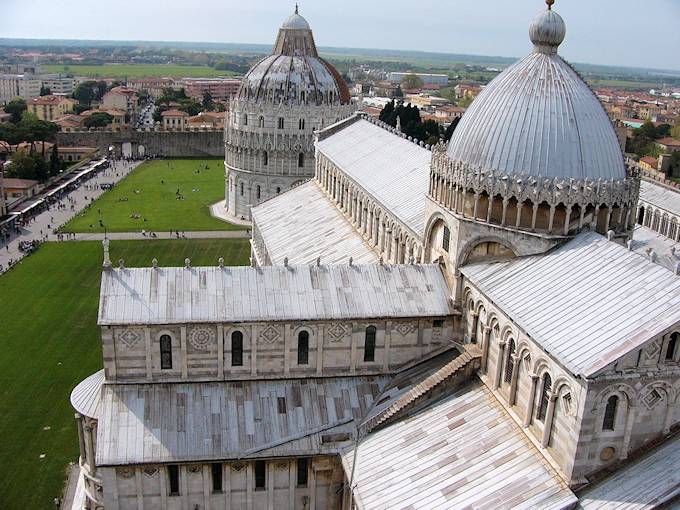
(516, 360)
(566, 220)
(530, 402)
(551, 218)
(476, 207)
(81, 437)
(505, 211)
(499, 365)
(89, 447)
(473, 331)
(381, 237)
(630, 420)
(670, 412)
(518, 220)
(486, 340)
(388, 244)
(489, 210)
(549, 414)
(395, 248)
(533, 217)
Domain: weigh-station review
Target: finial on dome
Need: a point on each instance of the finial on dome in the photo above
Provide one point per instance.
(547, 30)
(296, 7)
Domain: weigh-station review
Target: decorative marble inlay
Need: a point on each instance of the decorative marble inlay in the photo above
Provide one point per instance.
(130, 337)
(652, 398)
(337, 332)
(201, 338)
(125, 472)
(237, 466)
(195, 469)
(405, 328)
(150, 471)
(270, 334)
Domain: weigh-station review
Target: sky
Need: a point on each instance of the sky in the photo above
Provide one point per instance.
(639, 33)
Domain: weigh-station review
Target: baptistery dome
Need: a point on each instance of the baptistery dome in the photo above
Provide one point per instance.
(539, 118)
(294, 73)
(269, 135)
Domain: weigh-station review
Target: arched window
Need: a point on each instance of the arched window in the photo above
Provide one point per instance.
(261, 122)
(245, 120)
(509, 363)
(278, 190)
(241, 189)
(301, 125)
(237, 349)
(446, 239)
(369, 344)
(281, 123)
(265, 158)
(641, 215)
(672, 344)
(301, 160)
(258, 192)
(545, 397)
(303, 348)
(610, 413)
(302, 97)
(166, 352)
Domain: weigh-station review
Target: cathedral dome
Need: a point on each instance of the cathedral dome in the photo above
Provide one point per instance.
(294, 73)
(539, 118)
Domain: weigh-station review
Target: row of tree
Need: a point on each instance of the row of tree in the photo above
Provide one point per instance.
(429, 131)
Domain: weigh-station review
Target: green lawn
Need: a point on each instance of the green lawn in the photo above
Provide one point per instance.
(50, 342)
(138, 71)
(150, 192)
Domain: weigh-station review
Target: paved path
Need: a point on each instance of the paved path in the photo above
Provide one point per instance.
(136, 236)
(42, 225)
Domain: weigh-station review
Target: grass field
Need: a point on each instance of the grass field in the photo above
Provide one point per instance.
(150, 191)
(138, 71)
(50, 342)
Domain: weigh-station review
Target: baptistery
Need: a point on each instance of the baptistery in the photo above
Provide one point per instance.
(283, 99)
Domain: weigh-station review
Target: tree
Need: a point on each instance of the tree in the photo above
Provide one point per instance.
(207, 100)
(99, 119)
(412, 81)
(398, 92)
(449, 130)
(55, 164)
(28, 165)
(45, 91)
(84, 92)
(675, 132)
(16, 107)
(663, 130)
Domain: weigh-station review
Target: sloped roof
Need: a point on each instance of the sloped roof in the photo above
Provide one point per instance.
(649, 482)
(660, 196)
(86, 396)
(172, 295)
(393, 170)
(587, 303)
(463, 451)
(226, 420)
(302, 224)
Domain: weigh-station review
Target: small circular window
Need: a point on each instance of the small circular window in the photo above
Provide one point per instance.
(607, 453)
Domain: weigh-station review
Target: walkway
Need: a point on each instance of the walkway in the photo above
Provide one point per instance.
(137, 236)
(42, 225)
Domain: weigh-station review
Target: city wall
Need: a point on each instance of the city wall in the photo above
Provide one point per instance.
(173, 144)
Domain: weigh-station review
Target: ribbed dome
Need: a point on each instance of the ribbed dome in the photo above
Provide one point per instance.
(294, 73)
(539, 118)
(296, 22)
